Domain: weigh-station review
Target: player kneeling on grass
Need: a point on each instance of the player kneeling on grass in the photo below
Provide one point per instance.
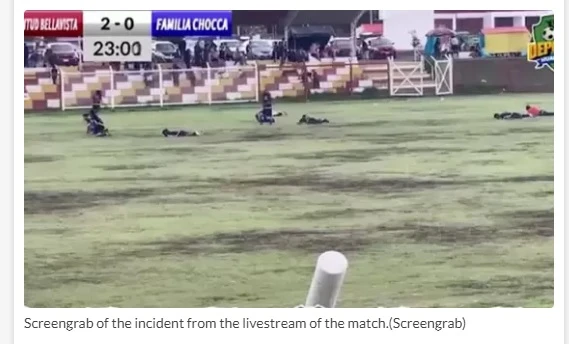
(266, 113)
(95, 125)
(532, 111)
(179, 133)
(305, 119)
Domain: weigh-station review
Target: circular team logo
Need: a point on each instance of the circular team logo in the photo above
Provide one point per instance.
(541, 48)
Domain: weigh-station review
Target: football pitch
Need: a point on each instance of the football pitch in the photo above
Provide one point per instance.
(434, 203)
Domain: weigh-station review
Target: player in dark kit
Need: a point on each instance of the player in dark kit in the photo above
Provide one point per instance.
(510, 115)
(179, 133)
(532, 111)
(95, 125)
(305, 119)
(266, 113)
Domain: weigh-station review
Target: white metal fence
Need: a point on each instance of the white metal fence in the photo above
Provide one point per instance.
(160, 87)
(406, 79)
(409, 79)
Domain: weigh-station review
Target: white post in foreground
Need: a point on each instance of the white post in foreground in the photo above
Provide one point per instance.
(328, 278)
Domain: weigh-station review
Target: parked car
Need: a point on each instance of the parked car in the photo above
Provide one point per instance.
(261, 49)
(164, 51)
(381, 48)
(342, 46)
(62, 54)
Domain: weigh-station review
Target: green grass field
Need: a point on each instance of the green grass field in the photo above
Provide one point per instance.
(434, 203)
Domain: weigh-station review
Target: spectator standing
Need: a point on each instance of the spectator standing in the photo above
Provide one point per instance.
(365, 50)
(176, 74)
(275, 53)
(187, 56)
(198, 54)
(54, 73)
(26, 55)
(222, 54)
(455, 45)
(249, 51)
(282, 51)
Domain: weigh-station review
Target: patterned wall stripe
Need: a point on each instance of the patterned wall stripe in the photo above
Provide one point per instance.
(193, 86)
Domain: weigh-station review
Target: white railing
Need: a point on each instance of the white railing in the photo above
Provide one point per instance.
(406, 79)
(161, 87)
(444, 76)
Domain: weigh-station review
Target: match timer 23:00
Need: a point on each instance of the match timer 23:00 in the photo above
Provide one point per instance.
(117, 36)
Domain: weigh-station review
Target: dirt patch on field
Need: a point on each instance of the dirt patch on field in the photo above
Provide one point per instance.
(541, 194)
(133, 167)
(486, 151)
(344, 240)
(432, 122)
(526, 286)
(450, 234)
(184, 150)
(484, 162)
(532, 130)
(218, 299)
(261, 135)
(354, 155)
(531, 222)
(38, 202)
(31, 158)
(251, 241)
(521, 179)
(367, 154)
(52, 231)
(328, 184)
(510, 225)
(403, 138)
(173, 150)
(324, 183)
(335, 213)
(134, 178)
(370, 124)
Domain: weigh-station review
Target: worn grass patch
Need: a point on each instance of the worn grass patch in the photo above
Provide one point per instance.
(30, 158)
(52, 201)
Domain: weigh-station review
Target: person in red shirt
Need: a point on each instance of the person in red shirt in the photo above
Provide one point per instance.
(534, 111)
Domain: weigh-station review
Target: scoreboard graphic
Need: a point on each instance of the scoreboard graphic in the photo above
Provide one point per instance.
(124, 36)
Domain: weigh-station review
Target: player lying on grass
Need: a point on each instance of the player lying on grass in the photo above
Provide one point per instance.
(305, 119)
(510, 115)
(95, 125)
(532, 111)
(261, 118)
(179, 133)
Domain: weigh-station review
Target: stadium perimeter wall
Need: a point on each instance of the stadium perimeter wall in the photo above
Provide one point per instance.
(488, 76)
(289, 82)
